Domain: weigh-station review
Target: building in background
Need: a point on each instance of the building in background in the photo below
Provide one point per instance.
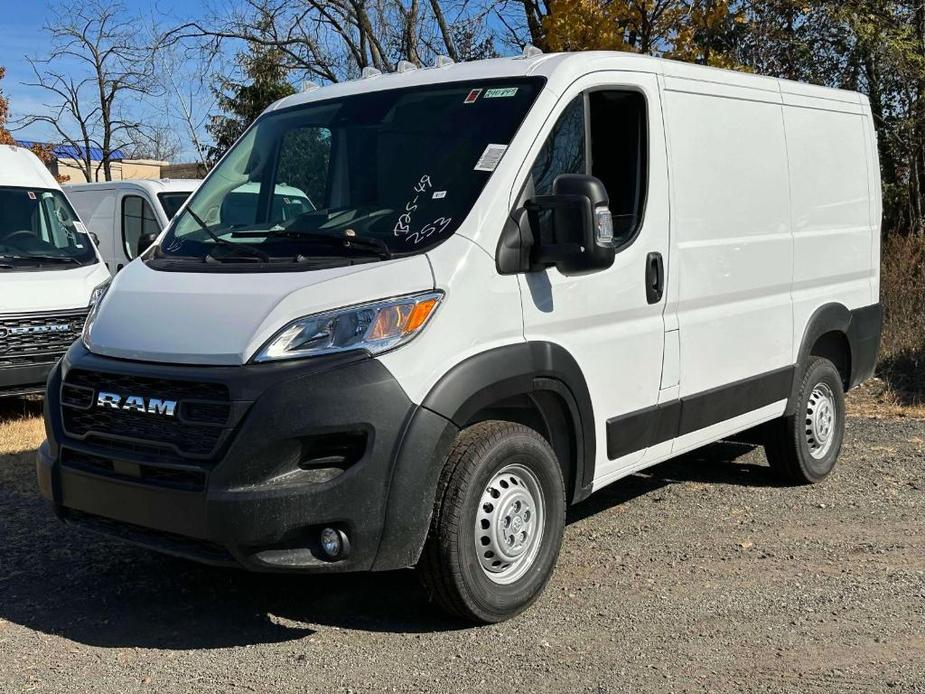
(66, 163)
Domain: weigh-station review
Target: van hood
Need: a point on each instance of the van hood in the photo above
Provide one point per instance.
(50, 290)
(224, 318)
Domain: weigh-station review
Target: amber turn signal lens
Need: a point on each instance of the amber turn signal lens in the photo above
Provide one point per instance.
(419, 315)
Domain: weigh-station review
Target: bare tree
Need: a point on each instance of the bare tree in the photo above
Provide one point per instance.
(156, 141)
(186, 78)
(333, 40)
(96, 64)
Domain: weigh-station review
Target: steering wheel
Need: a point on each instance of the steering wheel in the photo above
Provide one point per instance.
(19, 232)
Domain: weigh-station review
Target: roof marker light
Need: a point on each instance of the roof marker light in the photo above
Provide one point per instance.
(369, 72)
(405, 66)
(530, 51)
(443, 61)
(309, 86)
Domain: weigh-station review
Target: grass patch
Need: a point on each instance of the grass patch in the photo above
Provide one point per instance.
(902, 291)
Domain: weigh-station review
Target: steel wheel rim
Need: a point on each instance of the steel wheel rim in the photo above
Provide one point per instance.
(509, 524)
(820, 421)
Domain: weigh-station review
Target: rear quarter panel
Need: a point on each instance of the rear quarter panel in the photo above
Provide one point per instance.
(835, 191)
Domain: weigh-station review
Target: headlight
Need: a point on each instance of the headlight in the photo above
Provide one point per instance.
(375, 327)
(98, 293)
(96, 298)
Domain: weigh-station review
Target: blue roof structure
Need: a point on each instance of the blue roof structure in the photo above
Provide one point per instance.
(69, 152)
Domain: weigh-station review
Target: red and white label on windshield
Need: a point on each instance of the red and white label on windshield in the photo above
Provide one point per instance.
(473, 96)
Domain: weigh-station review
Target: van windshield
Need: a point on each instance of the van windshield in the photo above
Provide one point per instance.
(355, 179)
(39, 230)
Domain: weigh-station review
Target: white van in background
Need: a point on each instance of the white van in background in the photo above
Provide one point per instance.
(519, 281)
(50, 272)
(127, 216)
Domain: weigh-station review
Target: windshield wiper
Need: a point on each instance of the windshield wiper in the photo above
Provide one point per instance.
(237, 252)
(53, 258)
(238, 247)
(360, 243)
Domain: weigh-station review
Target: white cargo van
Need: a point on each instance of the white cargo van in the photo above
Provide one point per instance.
(50, 272)
(126, 216)
(519, 281)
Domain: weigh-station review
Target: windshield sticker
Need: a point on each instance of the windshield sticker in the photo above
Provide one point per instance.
(490, 158)
(438, 195)
(500, 93)
(473, 96)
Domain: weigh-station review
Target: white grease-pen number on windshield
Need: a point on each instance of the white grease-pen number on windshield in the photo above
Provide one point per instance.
(403, 225)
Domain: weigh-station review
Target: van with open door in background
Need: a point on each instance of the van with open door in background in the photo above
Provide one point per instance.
(515, 282)
(50, 272)
(127, 216)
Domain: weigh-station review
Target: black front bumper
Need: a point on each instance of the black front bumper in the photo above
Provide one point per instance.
(307, 445)
(22, 379)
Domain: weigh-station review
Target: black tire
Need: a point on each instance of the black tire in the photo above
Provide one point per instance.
(451, 567)
(790, 441)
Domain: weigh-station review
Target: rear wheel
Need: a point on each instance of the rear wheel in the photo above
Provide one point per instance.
(803, 447)
(497, 525)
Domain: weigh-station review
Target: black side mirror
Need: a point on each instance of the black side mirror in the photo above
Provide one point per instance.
(571, 229)
(144, 242)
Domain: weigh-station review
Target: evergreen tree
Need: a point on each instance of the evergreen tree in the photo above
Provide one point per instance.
(264, 82)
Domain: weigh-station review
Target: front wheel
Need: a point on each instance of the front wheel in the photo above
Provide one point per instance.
(497, 524)
(803, 447)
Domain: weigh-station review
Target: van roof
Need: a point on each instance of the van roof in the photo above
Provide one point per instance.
(560, 70)
(153, 186)
(20, 167)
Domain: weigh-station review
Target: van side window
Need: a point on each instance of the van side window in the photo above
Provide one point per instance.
(564, 149)
(137, 219)
(619, 149)
(614, 136)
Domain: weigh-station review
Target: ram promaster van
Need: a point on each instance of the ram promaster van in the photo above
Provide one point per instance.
(127, 216)
(518, 281)
(50, 273)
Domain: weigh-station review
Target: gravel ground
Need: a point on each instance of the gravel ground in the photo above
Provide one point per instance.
(700, 575)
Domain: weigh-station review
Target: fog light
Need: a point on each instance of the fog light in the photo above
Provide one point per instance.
(334, 543)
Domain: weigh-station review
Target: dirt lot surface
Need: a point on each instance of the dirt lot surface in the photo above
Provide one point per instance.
(700, 575)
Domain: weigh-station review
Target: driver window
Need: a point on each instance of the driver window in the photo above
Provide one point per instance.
(564, 149)
(137, 220)
(609, 140)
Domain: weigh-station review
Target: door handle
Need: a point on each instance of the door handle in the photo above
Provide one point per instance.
(655, 277)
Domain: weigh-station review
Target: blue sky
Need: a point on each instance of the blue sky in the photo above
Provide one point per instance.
(22, 34)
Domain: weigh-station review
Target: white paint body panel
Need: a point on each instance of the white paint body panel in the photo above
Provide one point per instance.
(207, 318)
(42, 290)
(764, 199)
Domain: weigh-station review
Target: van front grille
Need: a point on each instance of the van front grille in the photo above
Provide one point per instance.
(38, 338)
(197, 428)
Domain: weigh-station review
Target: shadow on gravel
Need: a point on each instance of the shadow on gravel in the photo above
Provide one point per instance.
(12, 409)
(59, 580)
(718, 463)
